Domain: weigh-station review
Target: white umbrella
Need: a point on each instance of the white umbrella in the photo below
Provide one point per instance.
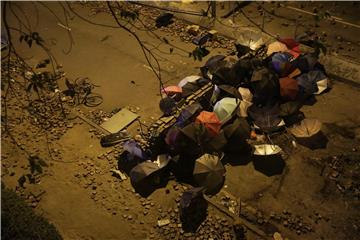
(243, 107)
(245, 93)
(276, 47)
(322, 85)
(225, 108)
(188, 79)
(266, 149)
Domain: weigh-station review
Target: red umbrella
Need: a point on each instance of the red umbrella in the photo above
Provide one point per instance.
(172, 90)
(288, 88)
(292, 45)
(210, 121)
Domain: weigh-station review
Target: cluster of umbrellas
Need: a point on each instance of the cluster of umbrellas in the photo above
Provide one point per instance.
(251, 97)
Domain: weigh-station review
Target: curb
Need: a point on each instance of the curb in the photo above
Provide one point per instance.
(338, 68)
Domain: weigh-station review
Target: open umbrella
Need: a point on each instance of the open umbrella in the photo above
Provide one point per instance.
(313, 82)
(225, 108)
(145, 177)
(172, 90)
(265, 86)
(292, 45)
(188, 113)
(288, 88)
(229, 91)
(308, 133)
(188, 79)
(209, 173)
(210, 120)
(193, 208)
(212, 64)
(246, 94)
(275, 47)
(267, 159)
(267, 118)
(281, 63)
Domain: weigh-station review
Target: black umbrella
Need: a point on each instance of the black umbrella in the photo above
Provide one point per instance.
(237, 133)
(267, 118)
(209, 173)
(267, 159)
(145, 177)
(193, 209)
(229, 91)
(265, 86)
(289, 108)
(212, 64)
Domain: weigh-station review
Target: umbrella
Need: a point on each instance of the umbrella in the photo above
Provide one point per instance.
(265, 86)
(134, 149)
(243, 108)
(172, 137)
(306, 62)
(266, 118)
(145, 177)
(191, 87)
(210, 120)
(288, 88)
(246, 94)
(212, 64)
(267, 159)
(237, 133)
(289, 108)
(229, 91)
(281, 63)
(308, 133)
(187, 113)
(313, 82)
(167, 105)
(225, 108)
(250, 38)
(292, 45)
(172, 90)
(192, 78)
(193, 208)
(276, 47)
(209, 173)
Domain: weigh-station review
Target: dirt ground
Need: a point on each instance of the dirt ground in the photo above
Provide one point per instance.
(316, 196)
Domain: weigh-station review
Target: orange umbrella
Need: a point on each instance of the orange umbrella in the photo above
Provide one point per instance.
(172, 90)
(210, 121)
(288, 88)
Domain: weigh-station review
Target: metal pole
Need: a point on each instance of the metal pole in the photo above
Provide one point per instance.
(213, 9)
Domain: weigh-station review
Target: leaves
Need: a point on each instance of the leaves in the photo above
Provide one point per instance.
(29, 38)
(198, 53)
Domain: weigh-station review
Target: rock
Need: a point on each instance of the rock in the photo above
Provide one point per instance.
(163, 222)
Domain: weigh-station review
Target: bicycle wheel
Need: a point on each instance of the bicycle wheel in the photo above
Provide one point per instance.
(93, 100)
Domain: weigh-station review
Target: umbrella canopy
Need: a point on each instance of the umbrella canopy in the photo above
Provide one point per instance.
(288, 88)
(210, 120)
(306, 128)
(289, 108)
(191, 87)
(225, 108)
(265, 86)
(313, 82)
(246, 94)
(188, 79)
(243, 108)
(172, 90)
(229, 91)
(213, 64)
(268, 160)
(193, 208)
(167, 105)
(172, 137)
(250, 38)
(209, 173)
(142, 172)
(267, 118)
(292, 45)
(276, 47)
(266, 149)
(281, 63)
(306, 62)
(308, 133)
(188, 113)
(134, 149)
